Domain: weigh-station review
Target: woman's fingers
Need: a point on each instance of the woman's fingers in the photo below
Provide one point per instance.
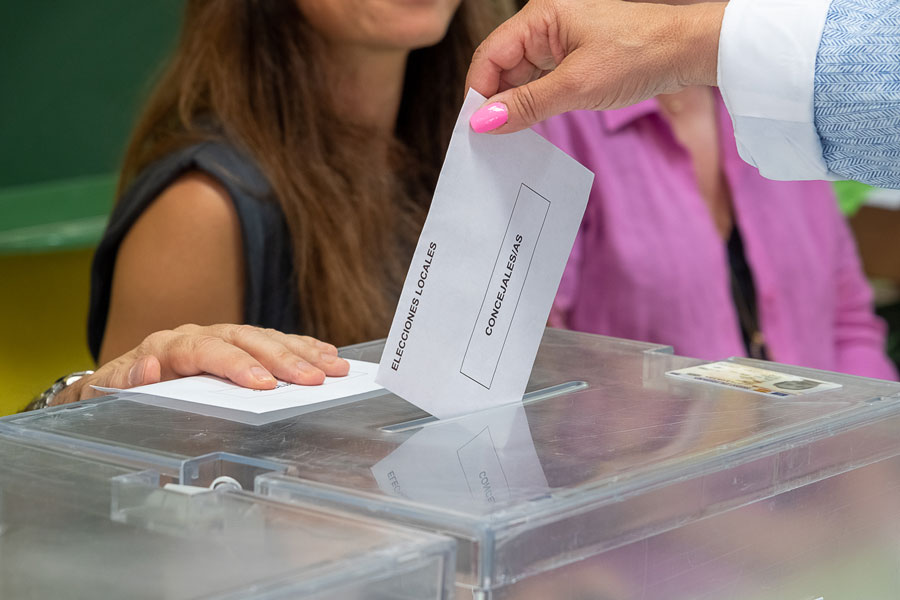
(523, 73)
(502, 51)
(592, 54)
(248, 356)
(167, 355)
(299, 359)
(207, 351)
(321, 355)
(525, 70)
(523, 106)
(272, 354)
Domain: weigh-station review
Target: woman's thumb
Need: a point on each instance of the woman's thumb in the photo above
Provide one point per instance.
(521, 107)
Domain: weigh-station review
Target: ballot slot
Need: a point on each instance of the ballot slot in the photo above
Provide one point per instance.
(501, 297)
(529, 398)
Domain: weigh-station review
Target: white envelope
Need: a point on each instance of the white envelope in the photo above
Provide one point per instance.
(486, 269)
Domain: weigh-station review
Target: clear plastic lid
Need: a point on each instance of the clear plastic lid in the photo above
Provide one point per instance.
(608, 449)
(75, 527)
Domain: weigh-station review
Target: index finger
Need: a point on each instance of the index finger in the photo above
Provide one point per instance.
(501, 51)
(181, 355)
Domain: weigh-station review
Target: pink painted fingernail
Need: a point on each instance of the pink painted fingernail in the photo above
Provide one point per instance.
(489, 117)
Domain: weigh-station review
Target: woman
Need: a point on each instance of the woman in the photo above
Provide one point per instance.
(685, 244)
(281, 173)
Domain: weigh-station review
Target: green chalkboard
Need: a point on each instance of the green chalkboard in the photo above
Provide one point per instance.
(74, 75)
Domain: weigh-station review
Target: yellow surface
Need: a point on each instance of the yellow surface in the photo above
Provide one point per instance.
(43, 315)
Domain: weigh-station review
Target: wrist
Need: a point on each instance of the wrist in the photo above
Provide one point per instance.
(61, 392)
(696, 40)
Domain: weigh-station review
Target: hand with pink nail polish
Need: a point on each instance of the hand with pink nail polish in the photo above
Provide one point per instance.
(489, 117)
(246, 355)
(560, 55)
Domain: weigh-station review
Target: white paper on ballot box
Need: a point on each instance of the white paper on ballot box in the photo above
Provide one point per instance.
(486, 269)
(214, 397)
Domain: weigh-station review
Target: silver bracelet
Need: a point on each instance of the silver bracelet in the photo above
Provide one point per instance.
(47, 396)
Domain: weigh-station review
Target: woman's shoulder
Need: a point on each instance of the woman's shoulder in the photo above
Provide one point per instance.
(205, 184)
(205, 201)
(233, 172)
(194, 201)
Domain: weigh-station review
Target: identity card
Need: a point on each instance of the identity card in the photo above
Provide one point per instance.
(753, 379)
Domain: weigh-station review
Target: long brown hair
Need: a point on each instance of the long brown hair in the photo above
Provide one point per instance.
(253, 68)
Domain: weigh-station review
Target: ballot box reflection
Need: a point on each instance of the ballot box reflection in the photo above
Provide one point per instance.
(611, 479)
(75, 527)
(480, 462)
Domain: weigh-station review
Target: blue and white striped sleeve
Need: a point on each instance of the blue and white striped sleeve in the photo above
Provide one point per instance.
(813, 87)
(767, 64)
(857, 91)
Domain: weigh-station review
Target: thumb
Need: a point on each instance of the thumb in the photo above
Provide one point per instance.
(145, 371)
(521, 107)
(123, 373)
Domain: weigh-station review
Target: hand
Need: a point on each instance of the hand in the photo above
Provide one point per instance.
(560, 55)
(248, 356)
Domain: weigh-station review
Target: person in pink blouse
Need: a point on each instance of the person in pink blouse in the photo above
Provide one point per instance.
(685, 244)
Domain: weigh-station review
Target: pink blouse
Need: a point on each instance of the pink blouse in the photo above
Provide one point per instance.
(648, 263)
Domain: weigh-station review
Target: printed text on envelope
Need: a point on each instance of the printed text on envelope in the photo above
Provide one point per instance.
(505, 287)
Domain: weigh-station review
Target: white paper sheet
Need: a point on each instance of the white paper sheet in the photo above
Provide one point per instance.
(486, 269)
(212, 391)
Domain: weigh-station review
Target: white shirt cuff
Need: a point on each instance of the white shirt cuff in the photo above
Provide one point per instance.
(767, 67)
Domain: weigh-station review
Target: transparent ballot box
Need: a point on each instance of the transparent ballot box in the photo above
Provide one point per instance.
(613, 479)
(76, 527)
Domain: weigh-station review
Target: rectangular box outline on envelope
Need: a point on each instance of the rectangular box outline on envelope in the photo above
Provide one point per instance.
(481, 366)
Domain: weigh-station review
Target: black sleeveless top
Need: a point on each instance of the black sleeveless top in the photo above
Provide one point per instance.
(270, 295)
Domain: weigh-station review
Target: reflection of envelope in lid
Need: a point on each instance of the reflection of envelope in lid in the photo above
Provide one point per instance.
(477, 462)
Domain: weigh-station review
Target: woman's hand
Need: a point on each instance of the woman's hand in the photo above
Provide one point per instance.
(560, 55)
(248, 356)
